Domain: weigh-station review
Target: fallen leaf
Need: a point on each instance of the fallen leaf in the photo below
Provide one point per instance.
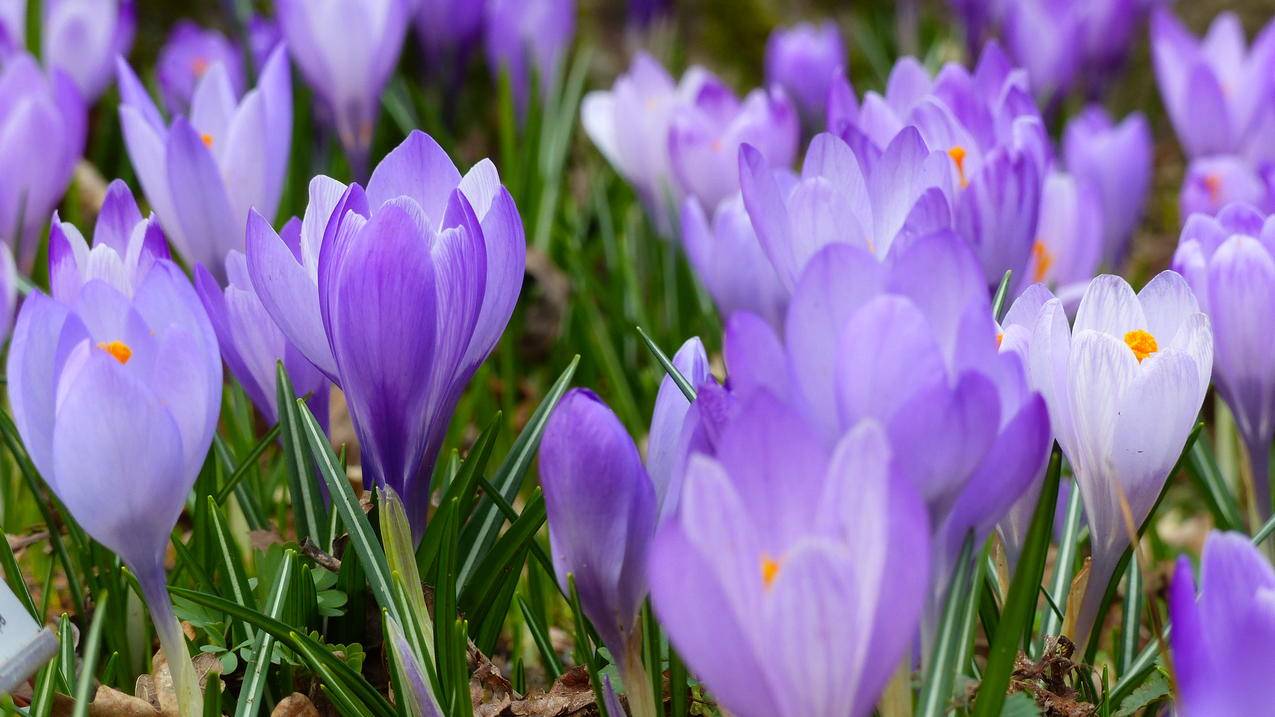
(295, 705)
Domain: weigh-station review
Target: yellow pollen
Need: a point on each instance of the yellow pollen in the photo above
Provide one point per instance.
(207, 139)
(199, 66)
(769, 570)
(1142, 343)
(1213, 185)
(118, 350)
(1000, 338)
(1044, 259)
(957, 154)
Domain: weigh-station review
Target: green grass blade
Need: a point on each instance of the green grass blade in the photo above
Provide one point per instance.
(246, 463)
(1060, 586)
(92, 646)
(307, 503)
(502, 558)
(687, 389)
(540, 635)
(1002, 293)
(1020, 603)
(254, 683)
(1202, 467)
(1130, 621)
(459, 495)
(235, 574)
(13, 576)
(948, 654)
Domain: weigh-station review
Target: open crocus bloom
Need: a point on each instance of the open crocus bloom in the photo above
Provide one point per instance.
(1212, 183)
(1116, 160)
(1229, 264)
(186, 57)
(203, 174)
(1223, 643)
(1123, 388)
(420, 270)
(730, 261)
(125, 247)
(1215, 90)
(804, 59)
(778, 577)
(1069, 236)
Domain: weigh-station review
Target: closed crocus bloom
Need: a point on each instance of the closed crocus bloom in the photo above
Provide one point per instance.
(251, 343)
(526, 37)
(1215, 90)
(669, 439)
(116, 397)
(203, 174)
(448, 29)
(42, 131)
(422, 269)
(264, 36)
(804, 59)
(1228, 262)
(629, 124)
(1043, 37)
(868, 199)
(730, 262)
(79, 37)
(1109, 29)
(1123, 389)
(710, 126)
(1069, 235)
(601, 509)
(186, 57)
(1212, 183)
(779, 577)
(346, 52)
(1116, 160)
(1223, 642)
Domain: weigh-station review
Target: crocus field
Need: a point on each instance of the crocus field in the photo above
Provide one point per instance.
(544, 358)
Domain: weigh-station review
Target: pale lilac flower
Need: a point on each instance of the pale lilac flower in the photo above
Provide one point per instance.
(1212, 183)
(186, 57)
(730, 262)
(1116, 159)
(81, 38)
(527, 38)
(804, 59)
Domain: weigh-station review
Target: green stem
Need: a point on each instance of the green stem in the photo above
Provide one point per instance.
(190, 703)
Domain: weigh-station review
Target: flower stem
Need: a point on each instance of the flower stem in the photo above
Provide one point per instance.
(190, 702)
(637, 684)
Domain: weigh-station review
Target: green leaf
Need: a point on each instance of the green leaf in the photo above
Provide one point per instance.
(92, 647)
(540, 635)
(484, 526)
(255, 681)
(459, 495)
(1064, 562)
(401, 558)
(1020, 705)
(13, 576)
(1002, 292)
(1150, 692)
(687, 389)
(948, 654)
(232, 565)
(246, 463)
(1131, 620)
(1202, 467)
(307, 503)
(446, 640)
(503, 558)
(1020, 603)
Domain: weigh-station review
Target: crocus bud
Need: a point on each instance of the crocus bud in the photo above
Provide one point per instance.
(186, 57)
(421, 269)
(780, 579)
(1221, 641)
(116, 397)
(601, 510)
(1229, 264)
(730, 261)
(203, 174)
(708, 130)
(1116, 160)
(83, 37)
(1123, 388)
(346, 51)
(804, 60)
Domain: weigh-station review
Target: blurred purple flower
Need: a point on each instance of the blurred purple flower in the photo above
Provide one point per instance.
(1223, 643)
(803, 59)
(526, 37)
(264, 35)
(1229, 264)
(448, 29)
(1212, 183)
(644, 12)
(1069, 236)
(730, 261)
(187, 56)
(421, 270)
(204, 174)
(629, 124)
(43, 123)
(1117, 161)
(1043, 37)
(116, 397)
(1123, 388)
(1217, 91)
(777, 578)
(712, 124)
(79, 37)
(346, 52)
(251, 343)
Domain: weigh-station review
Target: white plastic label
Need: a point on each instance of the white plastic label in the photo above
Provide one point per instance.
(24, 645)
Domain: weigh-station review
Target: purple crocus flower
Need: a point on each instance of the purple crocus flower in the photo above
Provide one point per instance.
(448, 29)
(1212, 183)
(979, 18)
(1069, 236)
(116, 397)
(81, 38)
(42, 131)
(629, 124)
(1223, 643)
(730, 261)
(421, 269)
(1216, 90)
(602, 510)
(709, 128)
(1117, 161)
(1123, 388)
(264, 36)
(250, 342)
(186, 57)
(204, 173)
(526, 37)
(773, 579)
(346, 51)
(804, 59)
(1043, 37)
(1228, 262)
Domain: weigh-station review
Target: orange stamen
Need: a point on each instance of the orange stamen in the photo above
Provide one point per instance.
(1044, 260)
(769, 570)
(957, 154)
(1142, 343)
(118, 350)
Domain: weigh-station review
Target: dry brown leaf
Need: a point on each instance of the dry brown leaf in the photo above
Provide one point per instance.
(295, 705)
(570, 695)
